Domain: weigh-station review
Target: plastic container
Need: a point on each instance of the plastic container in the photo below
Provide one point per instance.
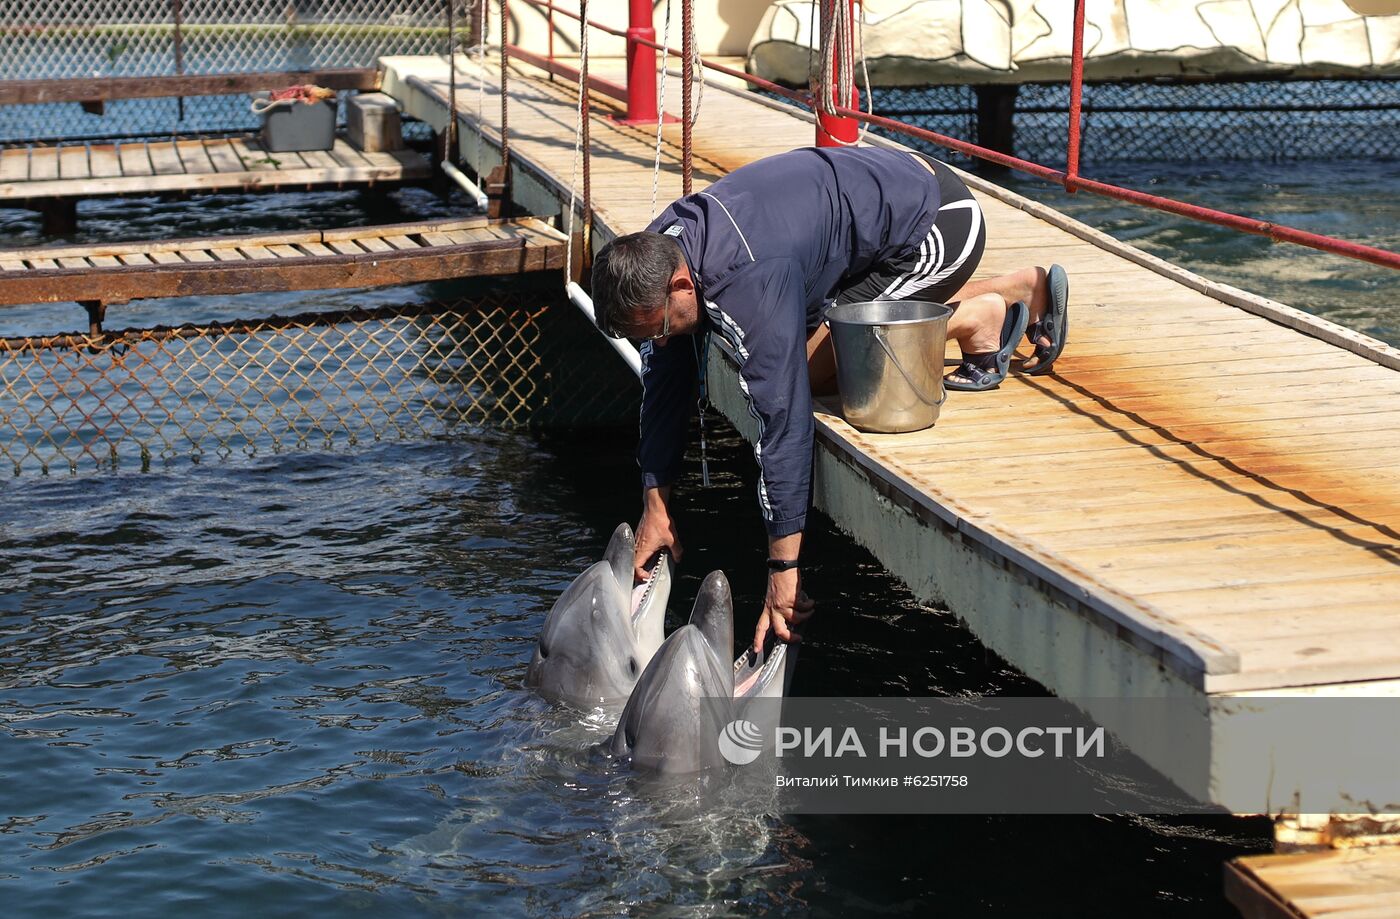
(291, 126)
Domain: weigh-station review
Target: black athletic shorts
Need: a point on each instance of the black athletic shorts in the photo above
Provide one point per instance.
(942, 262)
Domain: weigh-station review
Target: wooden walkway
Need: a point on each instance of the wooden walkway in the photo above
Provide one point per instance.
(1201, 501)
(308, 260)
(41, 173)
(1337, 884)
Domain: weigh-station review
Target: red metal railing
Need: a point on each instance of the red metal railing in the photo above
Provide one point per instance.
(1069, 179)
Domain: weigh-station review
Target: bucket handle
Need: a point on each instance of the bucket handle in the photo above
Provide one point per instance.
(889, 352)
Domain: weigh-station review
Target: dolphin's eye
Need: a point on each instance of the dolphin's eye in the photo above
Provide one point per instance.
(632, 665)
(544, 652)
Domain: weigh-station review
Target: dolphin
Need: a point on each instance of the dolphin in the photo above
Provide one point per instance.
(601, 632)
(690, 691)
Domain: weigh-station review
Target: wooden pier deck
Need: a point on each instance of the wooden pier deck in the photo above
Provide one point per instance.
(1337, 884)
(1201, 503)
(371, 256)
(38, 173)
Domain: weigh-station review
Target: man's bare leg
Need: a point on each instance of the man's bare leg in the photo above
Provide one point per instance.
(975, 325)
(1029, 285)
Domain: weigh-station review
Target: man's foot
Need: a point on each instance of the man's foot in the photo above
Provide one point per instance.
(986, 369)
(1049, 331)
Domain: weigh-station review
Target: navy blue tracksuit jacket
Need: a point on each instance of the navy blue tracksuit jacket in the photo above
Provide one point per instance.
(768, 246)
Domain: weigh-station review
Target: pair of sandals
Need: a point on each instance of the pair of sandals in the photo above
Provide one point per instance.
(986, 370)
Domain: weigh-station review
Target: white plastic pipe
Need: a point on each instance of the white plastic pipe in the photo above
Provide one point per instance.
(467, 184)
(620, 345)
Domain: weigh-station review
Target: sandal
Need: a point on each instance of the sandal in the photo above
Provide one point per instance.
(987, 370)
(1054, 325)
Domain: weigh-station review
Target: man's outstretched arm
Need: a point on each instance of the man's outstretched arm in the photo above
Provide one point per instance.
(668, 379)
(785, 604)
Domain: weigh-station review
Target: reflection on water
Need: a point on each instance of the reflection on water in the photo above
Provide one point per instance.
(292, 685)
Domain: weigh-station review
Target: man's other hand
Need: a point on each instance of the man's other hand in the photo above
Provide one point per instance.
(655, 531)
(786, 605)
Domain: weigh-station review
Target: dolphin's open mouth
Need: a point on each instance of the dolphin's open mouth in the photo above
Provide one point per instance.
(754, 673)
(642, 592)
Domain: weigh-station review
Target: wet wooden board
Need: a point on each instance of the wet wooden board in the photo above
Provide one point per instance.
(1357, 883)
(1195, 471)
(354, 257)
(79, 171)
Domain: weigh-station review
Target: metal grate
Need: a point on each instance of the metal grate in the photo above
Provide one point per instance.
(80, 38)
(143, 397)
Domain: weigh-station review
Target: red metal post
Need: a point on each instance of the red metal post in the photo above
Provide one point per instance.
(1076, 91)
(834, 130)
(641, 64)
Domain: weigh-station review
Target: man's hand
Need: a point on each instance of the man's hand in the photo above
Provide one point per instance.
(655, 531)
(786, 605)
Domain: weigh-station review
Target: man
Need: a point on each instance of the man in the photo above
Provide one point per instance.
(756, 258)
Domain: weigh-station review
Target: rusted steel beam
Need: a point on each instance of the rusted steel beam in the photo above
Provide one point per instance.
(92, 89)
(322, 272)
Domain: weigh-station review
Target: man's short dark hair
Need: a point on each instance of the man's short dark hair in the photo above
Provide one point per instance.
(632, 277)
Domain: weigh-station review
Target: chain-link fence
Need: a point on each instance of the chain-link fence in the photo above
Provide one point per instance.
(1162, 121)
(52, 39)
(143, 397)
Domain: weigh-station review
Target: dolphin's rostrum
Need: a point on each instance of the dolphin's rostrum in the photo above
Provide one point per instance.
(601, 633)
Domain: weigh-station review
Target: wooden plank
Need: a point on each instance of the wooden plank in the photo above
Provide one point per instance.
(165, 159)
(73, 262)
(104, 261)
(14, 165)
(436, 239)
(256, 252)
(375, 244)
(400, 242)
(42, 264)
(225, 271)
(103, 161)
(28, 92)
(194, 157)
(43, 163)
(136, 258)
(73, 162)
(345, 247)
(7, 264)
(314, 249)
(254, 158)
(223, 156)
(167, 258)
(285, 251)
(135, 159)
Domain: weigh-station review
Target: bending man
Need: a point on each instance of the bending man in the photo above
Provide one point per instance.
(756, 258)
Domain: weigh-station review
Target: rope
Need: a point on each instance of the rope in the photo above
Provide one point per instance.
(451, 152)
(578, 136)
(480, 49)
(687, 122)
(661, 106)
(505, 89)
(838, 51)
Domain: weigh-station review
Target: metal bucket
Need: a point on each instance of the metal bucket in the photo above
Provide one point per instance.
(889, 362)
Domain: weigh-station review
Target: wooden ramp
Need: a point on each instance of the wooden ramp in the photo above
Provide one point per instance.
(1337, 884)
(41, 173)
(407, 253)
(1201, 501)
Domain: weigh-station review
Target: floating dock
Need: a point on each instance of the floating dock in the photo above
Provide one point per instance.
(408, 253)
(1199, 504)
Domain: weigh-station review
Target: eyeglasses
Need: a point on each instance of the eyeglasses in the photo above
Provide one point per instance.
(613, 332)
(665, 322)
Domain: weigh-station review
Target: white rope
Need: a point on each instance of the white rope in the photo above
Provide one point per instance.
(661, 106)
(578, 145)
(838, 50)
(480, 82)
